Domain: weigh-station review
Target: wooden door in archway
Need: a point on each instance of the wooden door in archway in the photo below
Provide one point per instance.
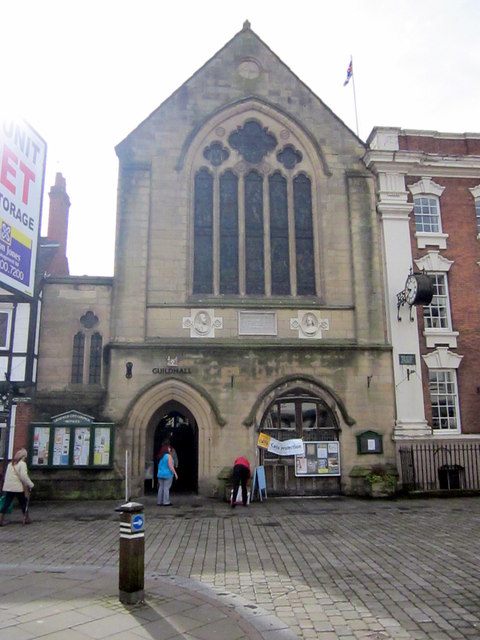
(298, 414)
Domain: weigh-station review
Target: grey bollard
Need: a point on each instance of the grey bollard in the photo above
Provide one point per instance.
(132, 553)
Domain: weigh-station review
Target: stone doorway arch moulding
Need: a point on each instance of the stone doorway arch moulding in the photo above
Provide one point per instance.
(193, 398)
(306, 383)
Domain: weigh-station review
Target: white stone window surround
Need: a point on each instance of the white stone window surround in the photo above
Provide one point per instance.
(427, 187)
(434, 263)
(475, 191)
(444, 359)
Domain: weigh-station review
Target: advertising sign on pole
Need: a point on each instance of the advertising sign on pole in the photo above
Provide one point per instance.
(22, 168)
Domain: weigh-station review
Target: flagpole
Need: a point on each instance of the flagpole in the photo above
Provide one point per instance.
(354, 97)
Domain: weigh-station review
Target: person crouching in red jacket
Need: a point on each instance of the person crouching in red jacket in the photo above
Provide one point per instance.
(241, 475)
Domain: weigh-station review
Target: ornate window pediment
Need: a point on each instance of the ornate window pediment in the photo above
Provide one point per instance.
(442, 358)
(434, 261)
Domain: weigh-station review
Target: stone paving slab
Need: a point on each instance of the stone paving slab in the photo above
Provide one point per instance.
(315, 568)
(38, 601)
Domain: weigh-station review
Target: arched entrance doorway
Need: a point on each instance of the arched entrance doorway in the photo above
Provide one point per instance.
(297, 413)
(148, 410)
(177, 425)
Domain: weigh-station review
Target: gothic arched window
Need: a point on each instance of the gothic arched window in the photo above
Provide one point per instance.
(253, 231)
(90, 345)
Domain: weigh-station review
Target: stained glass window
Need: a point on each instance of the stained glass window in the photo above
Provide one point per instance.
(252, 219)
(255, 269)
(302, 198)
(229, 233)
(203, 225)
(279, 235)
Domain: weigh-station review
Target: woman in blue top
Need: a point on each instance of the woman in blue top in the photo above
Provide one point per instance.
(166, 473)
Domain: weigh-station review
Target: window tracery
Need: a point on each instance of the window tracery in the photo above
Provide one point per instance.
(253, 228)
(252, 141)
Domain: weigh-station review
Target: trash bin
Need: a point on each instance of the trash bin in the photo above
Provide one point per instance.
(450, 476)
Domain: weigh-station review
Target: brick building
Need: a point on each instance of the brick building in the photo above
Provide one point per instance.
(247, 298)
(429, 208)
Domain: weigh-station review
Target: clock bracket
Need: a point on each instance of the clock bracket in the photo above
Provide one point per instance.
(402, 299)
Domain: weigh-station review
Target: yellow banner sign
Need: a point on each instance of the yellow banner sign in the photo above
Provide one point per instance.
(263, 440)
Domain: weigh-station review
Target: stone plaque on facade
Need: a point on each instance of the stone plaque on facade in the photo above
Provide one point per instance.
(257, 323)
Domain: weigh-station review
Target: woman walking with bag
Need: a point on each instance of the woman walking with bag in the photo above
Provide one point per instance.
(17, 483)
(166, 473)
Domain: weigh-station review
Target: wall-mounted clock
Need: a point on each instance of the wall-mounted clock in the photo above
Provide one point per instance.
(418, 289)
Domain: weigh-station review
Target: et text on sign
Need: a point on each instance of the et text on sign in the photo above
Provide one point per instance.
(22, 169)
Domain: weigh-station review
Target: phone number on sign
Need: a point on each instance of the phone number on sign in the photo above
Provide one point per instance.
(12, 271)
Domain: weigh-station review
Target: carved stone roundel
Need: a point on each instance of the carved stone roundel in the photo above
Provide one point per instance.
(249, 69)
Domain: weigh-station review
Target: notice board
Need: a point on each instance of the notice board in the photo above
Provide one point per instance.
(319, 459)
(71, 440)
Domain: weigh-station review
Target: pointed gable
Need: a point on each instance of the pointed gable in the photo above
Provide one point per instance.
(245, 68)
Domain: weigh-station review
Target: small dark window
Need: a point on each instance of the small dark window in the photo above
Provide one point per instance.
(95, 369)
(78, 358)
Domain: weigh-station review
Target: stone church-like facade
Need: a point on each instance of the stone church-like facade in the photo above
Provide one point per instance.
(247, 296)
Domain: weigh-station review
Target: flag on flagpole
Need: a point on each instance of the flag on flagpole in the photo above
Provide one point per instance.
(349, 73)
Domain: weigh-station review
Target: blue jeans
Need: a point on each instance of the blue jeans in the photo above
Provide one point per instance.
(164, 485)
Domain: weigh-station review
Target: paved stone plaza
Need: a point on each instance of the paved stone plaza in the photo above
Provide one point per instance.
(311, 568)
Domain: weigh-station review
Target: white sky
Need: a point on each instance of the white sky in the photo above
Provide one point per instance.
(85, 73)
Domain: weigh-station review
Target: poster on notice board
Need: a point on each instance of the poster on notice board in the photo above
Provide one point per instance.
(318, 459)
